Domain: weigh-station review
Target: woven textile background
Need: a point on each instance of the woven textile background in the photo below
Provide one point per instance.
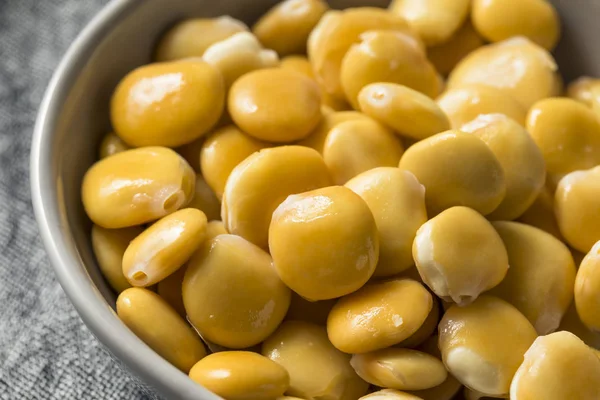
(45, 350)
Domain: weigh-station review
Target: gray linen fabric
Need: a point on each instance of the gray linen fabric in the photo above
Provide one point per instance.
(45, 350)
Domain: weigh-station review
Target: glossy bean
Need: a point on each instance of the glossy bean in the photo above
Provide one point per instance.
(222, 151)
(387, 56)
(109, 246)
(457, 169)
(379, 147)
(397, 201)
(257, 186)
(402, 304)
(232, 294)
(136, 186)
(460, 255)
(164, 247)
(316, 371)
(160, 327)
(241, 375)
(339, 236)
(191, 37)
(286, 26)
(483, 344)
(407, 111)
(167, 104)
(275, 105)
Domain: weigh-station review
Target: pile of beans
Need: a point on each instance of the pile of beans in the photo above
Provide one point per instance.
(381, 204)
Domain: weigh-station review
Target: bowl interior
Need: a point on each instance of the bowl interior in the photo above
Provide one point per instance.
(119, 40)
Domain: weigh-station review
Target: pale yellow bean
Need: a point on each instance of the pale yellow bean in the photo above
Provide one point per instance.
(356, 146)
(241, 375)
(397, 201)
(109, 246)
(232, 293)
(257, 186)
(136, 186)
(434, 20)
(316, 371)
(556, 367)
(160, 327)
(541, 276)
(191, 37)
(222, 151)
(164, 247)
(402, 307)
(497, 20)
(401, 369)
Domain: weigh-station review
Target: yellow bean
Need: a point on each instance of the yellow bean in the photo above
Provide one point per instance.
(434, 20)
(112, 144)
(389, 394)
(447, 55)
(136, 186)
(521, 159)
(214, 229)
(262, 181)
(426, 330)
(160, 327)
(338, 235)
(517, 66)
(447, 389)
(316, 371)
(316, 139)
(397, 201)
(222, 151)
(191, 37)
(576, 205)
(286, 26)
(541, 214)
(541, 276)
(568, 134)
(191, 153)
(401, 369)
(557, 366)
(164, 247)
(275, 105)
(459, 255)
(497, 20)
(299, 64)
(205, 200)
(170, 290)
(402, 307)
(457, 169)
(406, 111)
(483, 344)
(587, 288)
(387, 56)
(356, 146)
(337, 31)
(232, 294)
(309, 311)
(583, 89)
(572, 323)
(302, 65)
(241, 375)
(109, 246)
(167, 104)
(465, 103)
(238, 55)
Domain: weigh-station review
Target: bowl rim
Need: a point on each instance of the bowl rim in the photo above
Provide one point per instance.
(91, 306)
